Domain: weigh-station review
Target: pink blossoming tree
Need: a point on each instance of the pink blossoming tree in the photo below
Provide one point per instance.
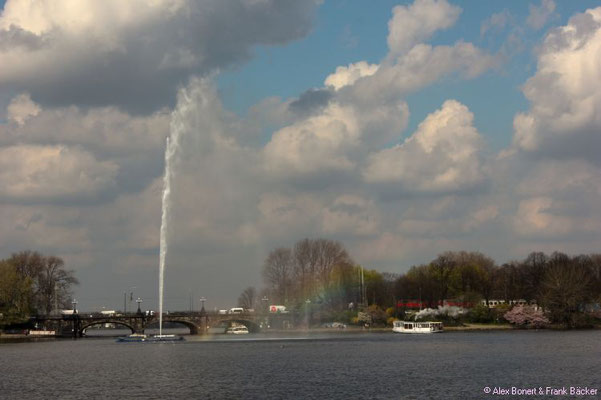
(526, 317)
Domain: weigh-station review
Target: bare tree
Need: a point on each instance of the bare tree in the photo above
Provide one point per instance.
(507, 283)
(314, 264)
(532, 272)
(329, 255)
(277, 274)
(305, 257)
(54, 285)
(565, 288)
(308, 271)
(248, 298)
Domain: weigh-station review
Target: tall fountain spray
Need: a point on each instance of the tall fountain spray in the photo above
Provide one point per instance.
(164, 220)
(171, 145)
(172, 148)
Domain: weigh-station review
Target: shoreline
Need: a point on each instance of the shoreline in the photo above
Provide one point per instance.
(5, 337)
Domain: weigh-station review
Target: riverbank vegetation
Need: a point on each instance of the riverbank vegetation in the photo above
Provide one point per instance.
(31, 283)
(319, 277)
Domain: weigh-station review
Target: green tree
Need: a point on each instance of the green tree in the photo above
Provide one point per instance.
(15, 294)
(441, 269)
(50, 282)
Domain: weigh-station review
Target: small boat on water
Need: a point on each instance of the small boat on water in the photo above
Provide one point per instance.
(417, 327)
(140, 337)
(237, 330)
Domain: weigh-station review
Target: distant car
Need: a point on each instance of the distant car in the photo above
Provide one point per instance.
(236, 310)
(336, 325)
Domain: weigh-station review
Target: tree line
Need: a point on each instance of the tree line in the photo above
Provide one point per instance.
(321, 272)
(31, 283)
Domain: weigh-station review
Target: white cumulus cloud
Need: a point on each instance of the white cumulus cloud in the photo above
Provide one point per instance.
(442, 155)
(344, 76)
(565, 92)
(415, 23)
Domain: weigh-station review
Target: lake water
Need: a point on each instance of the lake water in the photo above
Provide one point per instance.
(452, 365)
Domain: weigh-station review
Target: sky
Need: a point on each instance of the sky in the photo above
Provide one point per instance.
(401, 129)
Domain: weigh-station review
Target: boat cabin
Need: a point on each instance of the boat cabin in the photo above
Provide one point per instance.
(417, 327)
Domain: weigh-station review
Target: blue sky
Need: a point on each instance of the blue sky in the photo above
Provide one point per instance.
(349, 31)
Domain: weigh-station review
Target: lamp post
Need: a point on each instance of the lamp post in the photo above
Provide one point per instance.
(131, 297)
(131, 293)
(203, 313)
(75, 318)
(308, 303)
(265, 323)
(139, 301)
(265, 300)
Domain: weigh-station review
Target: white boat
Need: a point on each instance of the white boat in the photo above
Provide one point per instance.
(140, 337)
(41, 333)
(417, 327)
(237, 330)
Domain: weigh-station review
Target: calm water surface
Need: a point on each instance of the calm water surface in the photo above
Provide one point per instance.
(453, 365)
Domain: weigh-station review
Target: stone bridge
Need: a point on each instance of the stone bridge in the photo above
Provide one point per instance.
(197, 322)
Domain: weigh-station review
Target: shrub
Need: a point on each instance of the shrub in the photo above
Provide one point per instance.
(378, 316)
(481, 313)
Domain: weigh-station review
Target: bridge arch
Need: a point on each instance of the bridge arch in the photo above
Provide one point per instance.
(194, 329)
(252, 327)
(107, 321)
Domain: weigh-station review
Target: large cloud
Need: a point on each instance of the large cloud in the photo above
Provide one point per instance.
(319, 143)
(565, 93)
(133, 53)
(365, 107)
(559, 200)
(421, 66)
(52, 139)
(442, 155)
(53, 173)
(104, 130)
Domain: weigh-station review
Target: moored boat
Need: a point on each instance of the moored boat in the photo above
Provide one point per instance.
(134, 337)
(417, 327)
(138, 337)
(237, 330)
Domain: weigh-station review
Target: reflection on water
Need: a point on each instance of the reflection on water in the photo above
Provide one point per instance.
(324, 366)
(124, 332)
